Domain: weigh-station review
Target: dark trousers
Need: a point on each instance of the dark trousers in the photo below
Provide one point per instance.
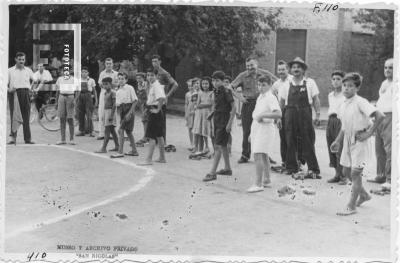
(332, 131)
(247, 119)
(383, 147)
(164, 122)
(283, 138)
(85, 111)
(25, 106)
(299, 129)
(40, 99)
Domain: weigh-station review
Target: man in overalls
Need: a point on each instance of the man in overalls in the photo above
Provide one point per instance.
(299, 129)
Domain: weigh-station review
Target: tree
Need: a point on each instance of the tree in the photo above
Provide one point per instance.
(213, 37)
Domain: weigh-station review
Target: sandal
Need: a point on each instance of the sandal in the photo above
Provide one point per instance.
(130, 153)
(312, 175)
(224, 172)
(118, 155)
(210, 177)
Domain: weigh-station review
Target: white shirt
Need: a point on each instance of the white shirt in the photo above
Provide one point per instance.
(384, 103)
(266, 102)
(20, 78)
(113, 75)
(280, 85)
(91, 84)
(355, 114)
(312, 89)
(44, 76)
(68, 85)
(156, 92)
(334, 102)
(125, 94)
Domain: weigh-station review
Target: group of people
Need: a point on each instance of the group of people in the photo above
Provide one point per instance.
(265, 102)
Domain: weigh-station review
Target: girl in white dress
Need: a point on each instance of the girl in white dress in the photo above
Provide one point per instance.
(263, 131)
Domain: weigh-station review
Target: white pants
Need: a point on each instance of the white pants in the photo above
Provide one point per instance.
(101, 113)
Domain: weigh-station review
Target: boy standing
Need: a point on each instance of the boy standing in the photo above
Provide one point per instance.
(67, 94)
(85, 103)
(224, 112)
(355, 113)
(335, 99)
(109, 118)
(143, 91)
(126, 101)
(154, 131)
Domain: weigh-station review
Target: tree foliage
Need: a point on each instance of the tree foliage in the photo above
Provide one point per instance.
(213, 37)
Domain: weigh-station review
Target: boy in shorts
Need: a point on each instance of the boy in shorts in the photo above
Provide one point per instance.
(143, 90)
(126, 101)
(223, 114)
(355, 113)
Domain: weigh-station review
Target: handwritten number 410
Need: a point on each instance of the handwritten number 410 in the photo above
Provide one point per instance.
(326, 7)
(38, 255)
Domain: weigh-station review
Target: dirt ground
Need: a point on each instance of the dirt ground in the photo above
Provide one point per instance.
(70, 196)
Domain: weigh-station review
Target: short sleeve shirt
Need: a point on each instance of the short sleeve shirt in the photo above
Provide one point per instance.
(171, 80)
(44, 76)
(280, 85)
(113, 75)
(88, 83)
(248, 82)
(223, 99)
(384, 103)
(68, 85)
(20, 78)
(312, 89)
(355, 114)
(266, 102)
(126, 94)
(109, 99)
(155, 93)
(334, 102)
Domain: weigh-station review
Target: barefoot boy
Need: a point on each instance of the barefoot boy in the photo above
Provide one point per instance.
(109, 118)
(224, 112)
(126, 101)
(143, 90)
(154, 131)
(355, 115)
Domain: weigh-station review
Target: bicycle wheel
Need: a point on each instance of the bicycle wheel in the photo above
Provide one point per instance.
(50, 120)
(33, 113)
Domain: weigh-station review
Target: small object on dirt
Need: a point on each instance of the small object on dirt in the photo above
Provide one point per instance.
(379, 192)
(309, 192)
(165, 222)
(285, 190)
(293, 197)
(121, 216)
(298, 176)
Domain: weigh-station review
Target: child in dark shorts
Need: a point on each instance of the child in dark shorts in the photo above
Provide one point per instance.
(142, 92)
(223, 114)
(109, 118)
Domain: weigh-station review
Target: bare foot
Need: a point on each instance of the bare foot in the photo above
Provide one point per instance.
(362, 199)
(266, 182)
(101, 151)
(348, 211)
(114, 150)
(160, 161)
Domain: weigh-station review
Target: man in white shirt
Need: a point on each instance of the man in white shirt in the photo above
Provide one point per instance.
(298, 98)
(108, 72)
(41, 77)
(383, 138)
(19, 84)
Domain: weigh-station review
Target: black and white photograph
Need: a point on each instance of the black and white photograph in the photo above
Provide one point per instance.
(198, 131)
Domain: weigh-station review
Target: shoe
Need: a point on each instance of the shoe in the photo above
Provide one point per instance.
(130, 153)
(343, 181)
(72, 142)
(11, 142)
(80, 134)
(30, 142)
(224, 172)
(335, 179)
(61, 142)
(312, 175)
(100, 138)
(271, 161)
(243, 160)
(210, 177)
(378, 180)
(255, 189)
(92, 135)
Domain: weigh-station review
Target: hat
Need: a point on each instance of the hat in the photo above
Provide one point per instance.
(298, 60)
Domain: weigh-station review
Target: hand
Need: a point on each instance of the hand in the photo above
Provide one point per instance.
(362, 135)
(317, 122)
(279, 124)
(228, 128)
(259, 118)
(11, 90)
(155, 111)
(335, 147)
(128, 117)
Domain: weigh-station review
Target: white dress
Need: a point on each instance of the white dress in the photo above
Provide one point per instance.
(262, 134)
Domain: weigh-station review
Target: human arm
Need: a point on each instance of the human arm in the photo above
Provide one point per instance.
(114, 106)
(231, 116)
(334, 147)
(317, 108)
(365, 134)
(275, 114)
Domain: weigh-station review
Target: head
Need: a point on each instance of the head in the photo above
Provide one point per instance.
(196, 84)
(251, 65)
(218, 78)
(107, 83)
(40, 67)
(122, 78)
(388, 69)
(264, 84)
(351, 84)
(156, 61)
(20, 59)
(140, 77)
(151, 75)
(189, 84)
(85, 72)
(336, 79)
(109, 64)
(297, 70)
(206, 84)
(227, 81)
(282, 69)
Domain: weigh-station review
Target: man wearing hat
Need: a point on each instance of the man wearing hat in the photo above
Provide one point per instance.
(298, 96)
